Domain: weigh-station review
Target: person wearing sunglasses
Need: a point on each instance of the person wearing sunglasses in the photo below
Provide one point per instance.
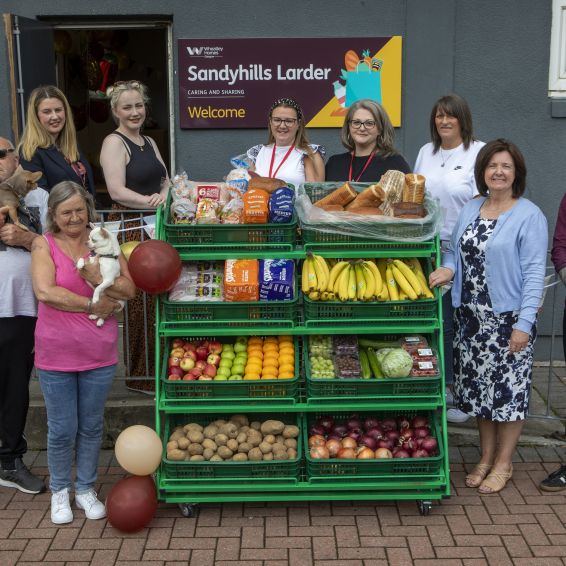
(288, 155)
(368, 135)
(18, 315)
(49, 142)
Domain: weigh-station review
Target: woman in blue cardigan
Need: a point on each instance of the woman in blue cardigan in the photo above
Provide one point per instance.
(496, 260)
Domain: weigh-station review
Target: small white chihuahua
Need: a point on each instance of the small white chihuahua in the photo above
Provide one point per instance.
(105, 246)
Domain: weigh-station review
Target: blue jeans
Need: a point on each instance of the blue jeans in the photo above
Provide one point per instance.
(75, 421)
(448, 327)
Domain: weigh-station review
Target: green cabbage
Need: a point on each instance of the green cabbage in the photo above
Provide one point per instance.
(382, 352)
(397, 363)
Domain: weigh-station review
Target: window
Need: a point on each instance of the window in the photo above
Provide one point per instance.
(557, 74)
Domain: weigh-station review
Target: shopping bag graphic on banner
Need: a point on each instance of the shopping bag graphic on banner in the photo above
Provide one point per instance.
(362, 85)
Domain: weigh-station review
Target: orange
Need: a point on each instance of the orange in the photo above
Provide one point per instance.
(270, 348)
(272, 339)
(268, 376)
(286, 359)
(255, 340)
(285, 339)
(255, 354)
(285, 375)
(286, 352)
(286, 368)
(255, 360)
(253, 368)
(251, 375)
(271, 360)
(269, 369)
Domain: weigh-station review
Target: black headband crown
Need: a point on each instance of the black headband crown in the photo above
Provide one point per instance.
(287, 102)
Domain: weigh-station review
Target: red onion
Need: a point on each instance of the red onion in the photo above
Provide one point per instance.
(317, 440)
(403, 422)
(429, 444)
(368, 441)
(419, 421)
(370, 422)
(408, 444)
(319, 453)
(383, 453)
(401, 454)
(341, 430)
(349, 442)
(346, 453)
(421, 432)
(327, 423)
(392, 435)
(406, 433)
(389, 424)
(384, 443)
(375, 432)
(354, 423)
(316, 429)
(365, 454)
(420, 453)
(334, 436)
(356, 434)
(333, 447)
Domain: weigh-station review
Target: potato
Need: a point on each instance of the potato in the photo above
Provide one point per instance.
(232, 444)
(244, 428)
(221, 439)
(177, 434)
(195, 436)
(265, 447)
(272, 427)
(197, 458)
(244, 447)
(176, 454)
(269, 438)
(219, 422)
(291, 431)
(254, 437)
(290, 443)
(224, 452)
(208, 453)
(241, 457)
(242, 437)
(216, 458)
(172, 445)
(292, 453)
(278, 447)
(208, 443)
(280, 455)
(210, 431)
(268, 457)
(240, 420)
(230, 430)
(192, 426)
(183, 443)
(255, 425)
(195, 449)
(280, 438)
(255, 455)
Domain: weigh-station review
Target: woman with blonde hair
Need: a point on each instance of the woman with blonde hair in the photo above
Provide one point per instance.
(369, 137)
(288, 155)
(49, 141)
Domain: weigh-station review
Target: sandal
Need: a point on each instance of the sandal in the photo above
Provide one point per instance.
(477, 475)
(495, 481)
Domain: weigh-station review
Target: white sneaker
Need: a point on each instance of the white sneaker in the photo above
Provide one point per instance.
(60, 507)
(93, 508)
(456, 416)
(449, 397)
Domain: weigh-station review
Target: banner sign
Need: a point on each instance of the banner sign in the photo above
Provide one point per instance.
(231, 83)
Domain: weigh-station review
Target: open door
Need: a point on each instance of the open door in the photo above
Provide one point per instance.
(31, 63)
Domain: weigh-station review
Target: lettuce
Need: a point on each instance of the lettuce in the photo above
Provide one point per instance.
(397, 363)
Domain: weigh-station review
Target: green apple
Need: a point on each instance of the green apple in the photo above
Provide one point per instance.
(219, 377)
(239, 347)
(242, 340)
(238, 368)
(242, 356)
(236, 377)
(228, 355)
(224, 371)
(225, 363)
(228, 348)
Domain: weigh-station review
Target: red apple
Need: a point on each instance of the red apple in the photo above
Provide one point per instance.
(201, 364)
(176, 370)
(189, 347)
(189, 377)
(173, 377)
(173, 361)
(190, 354)
(213, 359)
(177, 353)
(215, 347)
(202, 353)
(177, 343)
(197, 372)
(204, 344)
(209, 370)
(187, 364)
(205, 378)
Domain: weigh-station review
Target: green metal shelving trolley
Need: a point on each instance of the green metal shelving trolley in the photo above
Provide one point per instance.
(299, 400)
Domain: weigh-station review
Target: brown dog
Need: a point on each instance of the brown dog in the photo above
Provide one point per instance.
(14, 189)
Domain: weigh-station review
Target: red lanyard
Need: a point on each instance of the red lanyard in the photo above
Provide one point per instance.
(368, 161)
(273, 173)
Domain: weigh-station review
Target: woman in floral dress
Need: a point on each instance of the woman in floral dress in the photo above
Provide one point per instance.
(496, 259)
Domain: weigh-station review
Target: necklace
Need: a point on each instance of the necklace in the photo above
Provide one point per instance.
(445, 161)
(140, 147)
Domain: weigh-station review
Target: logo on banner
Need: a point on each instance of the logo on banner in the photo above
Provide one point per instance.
(205, 51)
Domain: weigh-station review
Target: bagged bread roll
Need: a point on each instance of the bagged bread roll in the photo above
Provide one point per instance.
(265, 184)
(372, 196)
(342, 196)
(392, 183)
(414, 188)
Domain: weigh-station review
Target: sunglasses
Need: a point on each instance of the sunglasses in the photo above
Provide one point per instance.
(5, 152)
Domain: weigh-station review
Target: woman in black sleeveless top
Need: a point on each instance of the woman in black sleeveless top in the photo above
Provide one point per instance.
(136, 178)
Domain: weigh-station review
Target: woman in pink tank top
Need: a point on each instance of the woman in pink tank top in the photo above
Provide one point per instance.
(75, 358)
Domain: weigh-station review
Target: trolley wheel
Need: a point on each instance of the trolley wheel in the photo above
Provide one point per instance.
(188, 509)
(424, 507)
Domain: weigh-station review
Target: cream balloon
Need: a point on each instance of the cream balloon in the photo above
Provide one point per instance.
(128, 247)
(138, 450)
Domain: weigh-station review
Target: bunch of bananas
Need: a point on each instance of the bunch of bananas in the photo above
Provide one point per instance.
(363, 280)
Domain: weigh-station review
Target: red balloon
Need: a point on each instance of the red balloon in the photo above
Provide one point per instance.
(131, 503)
(155, 266)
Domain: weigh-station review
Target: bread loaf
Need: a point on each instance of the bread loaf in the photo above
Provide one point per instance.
(392, 183)
(414, 190)
(372, 196)
(342, 196)
(266, 184)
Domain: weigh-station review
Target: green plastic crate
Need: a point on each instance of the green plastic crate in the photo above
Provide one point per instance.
(325, 389)
(281, 470)
(231, 237)
(237, 313)
(328, 470)
(311, 233)
(220, 391)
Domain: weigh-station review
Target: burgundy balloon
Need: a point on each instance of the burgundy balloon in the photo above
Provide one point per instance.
(131, 503)
(155, 266)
